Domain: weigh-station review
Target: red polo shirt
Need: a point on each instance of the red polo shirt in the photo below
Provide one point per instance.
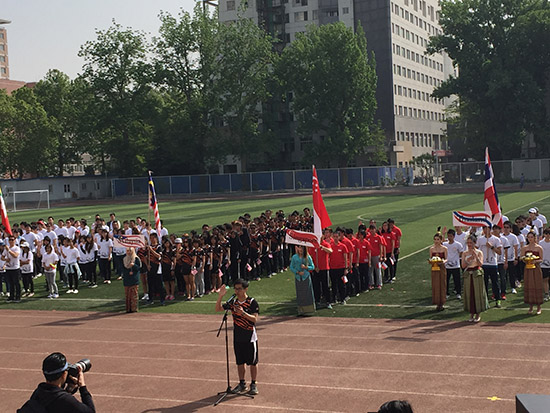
(398, 234)
(375, 241)
(389, 237)
(338, 258)
(364, 248)
(320, 257)
(351, 246)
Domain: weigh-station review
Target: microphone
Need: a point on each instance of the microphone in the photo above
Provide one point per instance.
(231, 299)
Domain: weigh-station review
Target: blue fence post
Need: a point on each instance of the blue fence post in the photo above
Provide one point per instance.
(272, 183)
(338, 178)
(209, 184)
(189, 183)
(170, 181)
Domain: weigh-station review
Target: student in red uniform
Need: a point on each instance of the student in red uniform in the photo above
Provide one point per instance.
(338, 267)
(245, 311)
(363, 259)
(389, 238)
(320, 256)
(377, 245)
(398, 234)
(353, 277)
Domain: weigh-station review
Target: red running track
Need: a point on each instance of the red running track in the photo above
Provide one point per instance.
(168, 363)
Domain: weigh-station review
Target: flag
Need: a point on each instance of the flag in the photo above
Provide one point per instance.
(4, 212)
(321, 220)
(129, 241)
(153, 204)
(490, 197)
(471, 219)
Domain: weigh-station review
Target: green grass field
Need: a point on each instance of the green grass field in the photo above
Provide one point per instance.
(410, 297)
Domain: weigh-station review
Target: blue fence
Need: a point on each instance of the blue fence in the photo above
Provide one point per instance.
(272, 181)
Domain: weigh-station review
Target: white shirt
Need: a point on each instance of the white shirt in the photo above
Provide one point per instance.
(52, 235)
(26, 268)
(71, 231)
(62, 231)
(505, 247)
(461, 238)
(128, 231)
(545, 254)
(521, 239)
(72, 255)
(453, 254)
(12, 263)
(85, 256)
(31, 238)
(489, 256)
(2, 264)
(49, 260)
(537, 224)
(63, 251)
(85, 231)
(513, 241)
(104, 248)
(542, 218)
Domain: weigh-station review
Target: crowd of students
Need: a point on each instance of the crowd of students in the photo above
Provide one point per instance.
(493, 256)
(73, 254)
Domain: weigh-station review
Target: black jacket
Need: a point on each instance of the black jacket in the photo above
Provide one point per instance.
(57, 400)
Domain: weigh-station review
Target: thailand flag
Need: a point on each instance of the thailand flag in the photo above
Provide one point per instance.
(4, 213)
(153, 204)
(320, 220)
(490, 198)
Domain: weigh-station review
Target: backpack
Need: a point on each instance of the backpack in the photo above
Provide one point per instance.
(32, 406)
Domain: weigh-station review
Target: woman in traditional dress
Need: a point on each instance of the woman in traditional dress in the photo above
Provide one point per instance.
(475, 295)
(301, 265)
(439, 277)
(130, 278)
(533, 292)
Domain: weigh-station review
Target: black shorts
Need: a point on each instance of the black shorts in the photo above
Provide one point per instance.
(246, 353)
(545, 272)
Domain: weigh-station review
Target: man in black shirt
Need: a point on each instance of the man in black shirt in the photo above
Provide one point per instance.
(51, 394)
(245, 311)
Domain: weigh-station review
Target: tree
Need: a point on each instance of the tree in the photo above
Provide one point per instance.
(55, 94)
(6, 130)
(333, 84)
(502, 51)
(118, 77)
(31, 146)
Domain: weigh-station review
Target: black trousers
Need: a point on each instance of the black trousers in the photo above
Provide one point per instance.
(354, 284)
(15, 286)
(154, 283)
(455, 273)
(28, 283)
(512, 273)
(502, 278)
(388, 271)
(337, 284)
(364, 276)
(492, 273)
(73, 280)
(104, 268)
(320, 285)
(394, 266)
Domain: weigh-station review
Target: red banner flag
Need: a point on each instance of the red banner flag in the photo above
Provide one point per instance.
(4, 213)
(490, 197)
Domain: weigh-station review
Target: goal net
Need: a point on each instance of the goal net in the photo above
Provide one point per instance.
(29, 200)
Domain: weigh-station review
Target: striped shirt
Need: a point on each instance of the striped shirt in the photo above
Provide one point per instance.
(244, 331)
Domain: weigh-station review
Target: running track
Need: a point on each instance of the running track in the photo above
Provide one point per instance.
(168, 363)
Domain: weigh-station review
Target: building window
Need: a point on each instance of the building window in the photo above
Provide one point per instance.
(67, 188)
(345, 10)
(230, 5)
(2, 47)
(300, 16)
(315, 14)
(2, 58)
(4, 71)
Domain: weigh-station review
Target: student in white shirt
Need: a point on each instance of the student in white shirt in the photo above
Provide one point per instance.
(460, 236)
(72, 270)
(49, 263)
(536, 223)
(26, 261)
(521, 265)
(71, 229)
(513, 254)
(11, 257)
(452, 265)
(61, 230)
(545, 265)
(88, 252)
(491, 247)
(541, 217)
(105, 252)
(502, 260)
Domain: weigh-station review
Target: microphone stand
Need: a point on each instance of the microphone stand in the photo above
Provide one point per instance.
(224, 394)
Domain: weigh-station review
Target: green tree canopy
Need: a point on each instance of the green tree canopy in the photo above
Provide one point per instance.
(333, 82)
(502, 51)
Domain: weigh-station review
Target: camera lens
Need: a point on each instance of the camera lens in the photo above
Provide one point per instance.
(84, 365)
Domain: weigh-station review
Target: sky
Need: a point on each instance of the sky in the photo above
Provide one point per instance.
(47, 34)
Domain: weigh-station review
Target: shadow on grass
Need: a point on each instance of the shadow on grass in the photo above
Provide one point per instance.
(194, 406)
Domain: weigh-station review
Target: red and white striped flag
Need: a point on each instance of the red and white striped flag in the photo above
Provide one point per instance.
(153, 204)
(321, 220)
(4, 213)
(490, 197)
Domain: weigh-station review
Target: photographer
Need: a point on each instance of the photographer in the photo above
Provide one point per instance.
(52, 395)
(244, 310)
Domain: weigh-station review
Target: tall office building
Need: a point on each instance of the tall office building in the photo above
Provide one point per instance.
(398, 32)
(4, 63)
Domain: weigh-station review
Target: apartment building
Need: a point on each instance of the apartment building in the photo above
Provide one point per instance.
(4, 63)
(398, 33)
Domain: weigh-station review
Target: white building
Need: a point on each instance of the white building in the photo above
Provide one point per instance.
(398, 33)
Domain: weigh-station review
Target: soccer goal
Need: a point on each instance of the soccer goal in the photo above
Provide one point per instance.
(29, 200)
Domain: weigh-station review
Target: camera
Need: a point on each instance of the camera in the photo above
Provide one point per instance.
(73, 370)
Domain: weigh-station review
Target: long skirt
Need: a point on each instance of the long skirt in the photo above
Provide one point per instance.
(533, 292)
(474, 293)
(439, 286)
(131, 298)
(304, 297)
